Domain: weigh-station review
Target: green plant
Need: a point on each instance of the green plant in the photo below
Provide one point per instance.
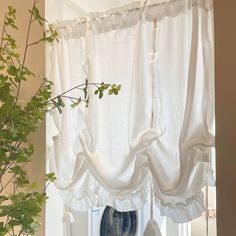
(20, 201)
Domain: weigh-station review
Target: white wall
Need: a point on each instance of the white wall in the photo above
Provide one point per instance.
(54, 207)
(56, 10)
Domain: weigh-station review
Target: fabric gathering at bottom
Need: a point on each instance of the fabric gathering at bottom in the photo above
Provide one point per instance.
(158, 131)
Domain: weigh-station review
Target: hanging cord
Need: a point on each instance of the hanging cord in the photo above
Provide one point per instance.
(207, 209)
(153, 59)
(152, 227)
(151, 202)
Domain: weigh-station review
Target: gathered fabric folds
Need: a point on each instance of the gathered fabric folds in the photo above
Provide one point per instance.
(159, 130)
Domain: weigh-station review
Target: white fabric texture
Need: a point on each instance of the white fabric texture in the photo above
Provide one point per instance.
(159, 130)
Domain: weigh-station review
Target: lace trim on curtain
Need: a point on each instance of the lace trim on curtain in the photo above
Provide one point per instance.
(96, 195)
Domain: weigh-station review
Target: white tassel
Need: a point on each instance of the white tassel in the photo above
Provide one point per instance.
(67, 216)
(152, 229)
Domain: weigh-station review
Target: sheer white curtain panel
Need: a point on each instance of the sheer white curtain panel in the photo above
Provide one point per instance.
(158, 132)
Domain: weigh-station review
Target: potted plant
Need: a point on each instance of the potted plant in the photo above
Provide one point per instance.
(20, 201)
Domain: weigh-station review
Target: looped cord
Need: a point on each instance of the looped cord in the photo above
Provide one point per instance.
(151, 203)
(143, 4)
(143, 7)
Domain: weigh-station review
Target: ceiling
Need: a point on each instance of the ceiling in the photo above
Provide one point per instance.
(88, 6)
(80, 8)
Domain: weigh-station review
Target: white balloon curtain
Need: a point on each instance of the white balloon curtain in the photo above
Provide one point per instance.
(156, 136)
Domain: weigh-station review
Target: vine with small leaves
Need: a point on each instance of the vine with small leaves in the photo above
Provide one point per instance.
(20, 201)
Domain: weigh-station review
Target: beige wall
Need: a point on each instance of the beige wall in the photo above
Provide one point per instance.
(35, 61)
(225, 39)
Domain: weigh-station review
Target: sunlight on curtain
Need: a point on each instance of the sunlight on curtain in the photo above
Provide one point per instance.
(157, 134)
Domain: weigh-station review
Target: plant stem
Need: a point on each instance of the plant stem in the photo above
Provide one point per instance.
(76, 87)
(3, 30)
(8, 182)
(34, 43)
(28, 33)
(73, 98)
(26, 48)
(20, 233)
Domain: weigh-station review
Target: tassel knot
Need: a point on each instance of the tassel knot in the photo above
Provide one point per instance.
(152, 229)
(67, 216)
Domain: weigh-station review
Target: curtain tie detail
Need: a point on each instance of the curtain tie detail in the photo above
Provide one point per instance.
(152, 228)
(67, 216)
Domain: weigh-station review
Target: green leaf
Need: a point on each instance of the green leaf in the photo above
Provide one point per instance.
(110, 91)
(106, 86)
(87, 102)
(60, 102)
(35, 12)
(33, 185)
(76, 102)
(100, 95)
(10, 8)
(50, 177)
(85, 90)
(13, 223)
(3, 199)
(12, 70)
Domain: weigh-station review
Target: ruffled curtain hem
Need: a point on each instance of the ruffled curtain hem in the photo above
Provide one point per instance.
(180, 212)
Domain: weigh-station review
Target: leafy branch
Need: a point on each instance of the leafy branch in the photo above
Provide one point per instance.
(20, 201)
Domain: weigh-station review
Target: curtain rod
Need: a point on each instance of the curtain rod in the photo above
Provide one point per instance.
(112, 11)
(138, 5)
